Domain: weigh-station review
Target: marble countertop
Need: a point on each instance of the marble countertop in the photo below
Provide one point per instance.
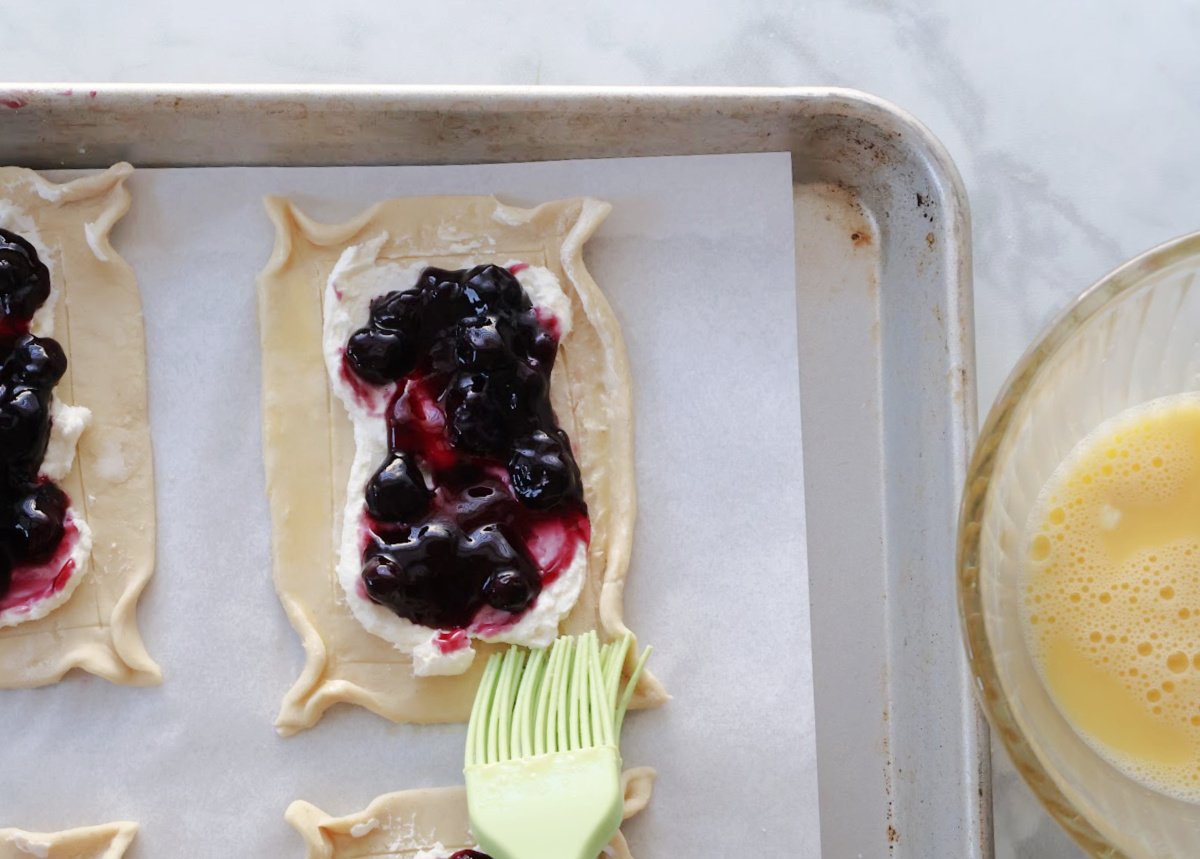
(1074, 125)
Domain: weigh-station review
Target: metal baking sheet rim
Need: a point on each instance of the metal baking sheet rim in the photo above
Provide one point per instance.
(913, 779)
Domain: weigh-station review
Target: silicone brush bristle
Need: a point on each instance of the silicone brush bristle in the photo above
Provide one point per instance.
(562, 698)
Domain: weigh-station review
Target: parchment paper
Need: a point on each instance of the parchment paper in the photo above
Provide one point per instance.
(697, 260)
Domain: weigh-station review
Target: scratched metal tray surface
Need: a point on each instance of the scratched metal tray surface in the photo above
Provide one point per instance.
(883, 278)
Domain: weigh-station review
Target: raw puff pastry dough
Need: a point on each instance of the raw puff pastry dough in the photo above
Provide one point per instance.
(89, 842)
(98, 321)
(308, 441)
(398, 825)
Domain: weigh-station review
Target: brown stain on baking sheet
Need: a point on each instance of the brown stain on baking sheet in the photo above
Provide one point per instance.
(959, 381)
(860, 238)
(927, 206)
(893, 834)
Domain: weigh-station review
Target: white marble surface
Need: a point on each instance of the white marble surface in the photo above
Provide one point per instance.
(1074, 124)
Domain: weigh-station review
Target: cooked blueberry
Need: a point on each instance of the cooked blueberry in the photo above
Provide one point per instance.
(475, 414)
(525, 327)
(398, 312)
(428, 279)
(5, 573)
(36, 361)
(423, 578)
(24, 425)
(419, 591)
(489, 544)
(24, 280)
(469, 854)
(531, 340)
(492, 287)
(38, 524)
(510, 582)
(544, 348)
(435, 540)
(443, 298)
(481, 504)
(479, 344)
(397, 491)
(380, 356)
(542, 471)
(476, 427)
(526, 392)
(381, 575)
(448, 292)
(509, 590)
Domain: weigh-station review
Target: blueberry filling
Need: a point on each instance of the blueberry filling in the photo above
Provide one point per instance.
(24, 281)
(397, 492)
(438, 576)
(469, 854)
(32, 509)
(478, 470)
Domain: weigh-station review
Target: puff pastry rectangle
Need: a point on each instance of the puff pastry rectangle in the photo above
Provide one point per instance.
(309, 445)
(99, 325)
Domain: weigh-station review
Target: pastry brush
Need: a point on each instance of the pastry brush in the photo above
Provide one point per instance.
(543, 768)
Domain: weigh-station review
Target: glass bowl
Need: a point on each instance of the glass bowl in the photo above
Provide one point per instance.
(1131, 338)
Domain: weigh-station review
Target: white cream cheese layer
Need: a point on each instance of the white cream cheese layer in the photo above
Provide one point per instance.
(67, 423)
(359, 276)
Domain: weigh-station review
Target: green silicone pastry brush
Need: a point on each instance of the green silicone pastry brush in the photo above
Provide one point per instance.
(543, 768)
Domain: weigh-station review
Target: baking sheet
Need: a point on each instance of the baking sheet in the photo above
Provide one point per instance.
(697, 259)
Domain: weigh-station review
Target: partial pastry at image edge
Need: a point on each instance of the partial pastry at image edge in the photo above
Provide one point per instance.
(402, 824)
(97, 320)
